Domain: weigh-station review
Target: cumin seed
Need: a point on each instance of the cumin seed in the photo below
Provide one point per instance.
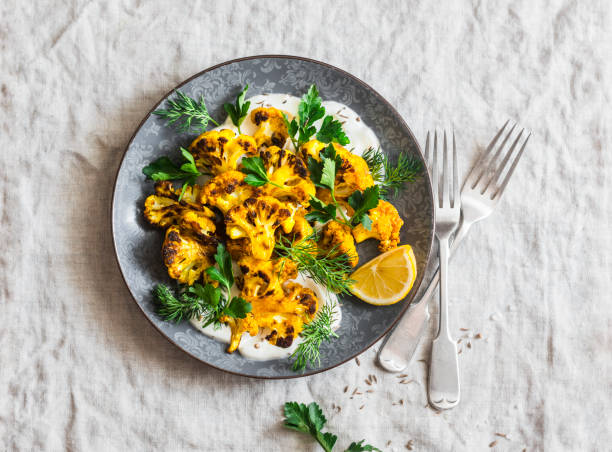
(409, 444)
(357, 361)
(355, 391)
(402, 376)
(478, 336)
(502, 435)
(464, 329)
(469, 345)
(361, 407)
(493, 443)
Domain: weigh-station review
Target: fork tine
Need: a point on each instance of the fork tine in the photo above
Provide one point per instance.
(445, 175)
(481, 159)
(503, 163)
(455, 175)
(488, 167)
(434, 169)
(502, 187)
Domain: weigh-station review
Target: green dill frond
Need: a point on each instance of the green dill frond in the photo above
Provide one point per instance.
(314, 334)
(186, 113)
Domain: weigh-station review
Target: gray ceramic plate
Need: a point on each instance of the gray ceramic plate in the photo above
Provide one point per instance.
(138, 245)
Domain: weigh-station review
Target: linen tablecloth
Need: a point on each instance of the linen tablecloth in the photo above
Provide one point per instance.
(81, 368)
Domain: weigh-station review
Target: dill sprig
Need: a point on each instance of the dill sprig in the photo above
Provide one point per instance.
(389, 176)
(314, 333)
(185, 113)
(176, 309)
(328, 268)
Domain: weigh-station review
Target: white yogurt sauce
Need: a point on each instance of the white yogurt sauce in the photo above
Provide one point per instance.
(361, 138)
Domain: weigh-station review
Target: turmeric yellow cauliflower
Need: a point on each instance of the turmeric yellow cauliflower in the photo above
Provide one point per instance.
(163, 209)
(354, 174)
(257, 219)
(220, 150)
(264, 278)
(272, 130)
(185, 255)
(289, 174)
(386, 225)
(227, 190)
(336, 236)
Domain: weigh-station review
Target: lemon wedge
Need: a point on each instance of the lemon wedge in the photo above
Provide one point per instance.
(387, 278)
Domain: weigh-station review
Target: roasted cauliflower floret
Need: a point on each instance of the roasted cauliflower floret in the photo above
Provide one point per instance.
(185, 255)
(257, 219)
(264, 278)
(221, 150)
(301, 228)
(238, 327)
(337, 237)
(272, 130)
(227, 190)
(163, 209)
(386, 225)
(190, 195)
(289, 176)
(353, 174)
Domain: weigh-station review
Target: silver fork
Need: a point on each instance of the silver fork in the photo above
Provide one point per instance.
(444, 365)
(480, 193)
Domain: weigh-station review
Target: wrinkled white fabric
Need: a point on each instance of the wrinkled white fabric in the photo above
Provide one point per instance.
(81, 368)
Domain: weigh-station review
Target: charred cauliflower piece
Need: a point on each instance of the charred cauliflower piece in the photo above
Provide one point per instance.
(264, 278)
(272, 130)
(257, 219)
(386, 225)
(220, 150)
(301, 228)
(227, 190)
(163, 209)
(354, 173)
(338, 237)
(185, 255)
(288, 170)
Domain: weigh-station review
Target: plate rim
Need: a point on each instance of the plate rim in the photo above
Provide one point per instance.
(417, 283)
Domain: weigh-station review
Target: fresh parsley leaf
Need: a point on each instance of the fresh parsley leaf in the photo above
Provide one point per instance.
(362, 202)
(164, 169)
(238, 308)
(238, 111)
(256, 173)
(331, 130)
(360, 447)
(323, 171)
(309, 419)
(186, 113)
(310, 110)
(321, 212)
(225, 274)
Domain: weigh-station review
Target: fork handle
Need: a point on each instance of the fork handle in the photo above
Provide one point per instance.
(443, 389)
(399, 347)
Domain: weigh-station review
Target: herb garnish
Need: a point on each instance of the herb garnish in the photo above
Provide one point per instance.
(185, 113)
(206, 301)
(256, 173)
(238, 111)
(329, 268)
(164, 169)
(388, 176)
(323, 174)
(310, 110)
(311, 420)
(313, 335)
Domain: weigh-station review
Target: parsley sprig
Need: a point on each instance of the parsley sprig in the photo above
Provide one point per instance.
(310, 110)
(239, 110)
(206, 301)
(164, 169)
(389, 176)
(310, 419)
(323, 174)
(186, 114)
(256, 172)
